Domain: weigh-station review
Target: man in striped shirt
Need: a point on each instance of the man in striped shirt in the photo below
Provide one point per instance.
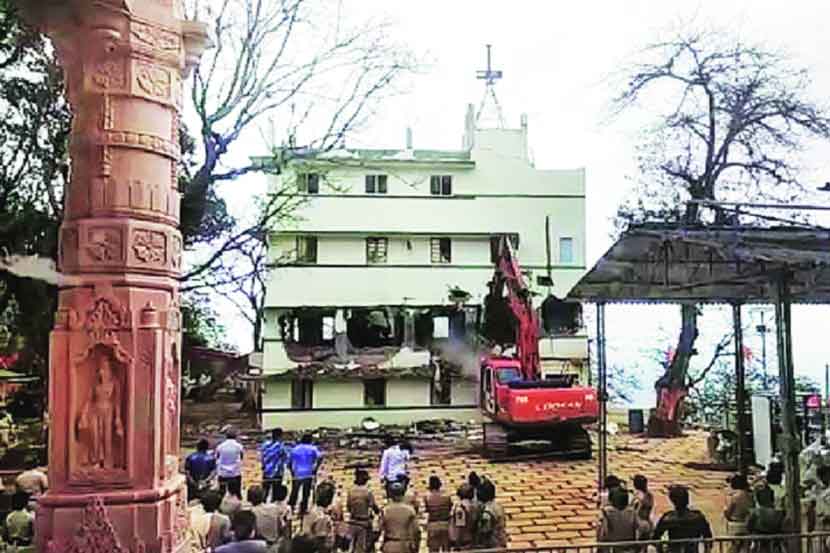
(273, 455)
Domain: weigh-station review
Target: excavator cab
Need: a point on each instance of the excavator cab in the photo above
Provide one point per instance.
(496, 375)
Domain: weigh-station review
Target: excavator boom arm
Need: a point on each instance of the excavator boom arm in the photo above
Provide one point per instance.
(508, 279)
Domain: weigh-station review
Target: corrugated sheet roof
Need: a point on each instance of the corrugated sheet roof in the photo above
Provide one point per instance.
(674, 264)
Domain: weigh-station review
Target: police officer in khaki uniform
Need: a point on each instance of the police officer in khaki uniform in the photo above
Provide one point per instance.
(464, 519)
(317, 524)
(438, 506)
(360, 502)
(399, 524)
(492, 525)
(410, 496)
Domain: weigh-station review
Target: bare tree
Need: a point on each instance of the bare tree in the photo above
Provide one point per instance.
(299, 71)
(731, 119)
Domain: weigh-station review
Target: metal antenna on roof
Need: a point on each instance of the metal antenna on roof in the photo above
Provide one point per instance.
(490, 76)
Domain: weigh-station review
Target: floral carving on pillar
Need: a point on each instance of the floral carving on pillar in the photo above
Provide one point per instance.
(155, 37)
(149, 247)
(104, 244)
(110, 74)
(154, 80)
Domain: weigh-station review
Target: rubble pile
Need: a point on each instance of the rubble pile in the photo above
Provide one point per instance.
(368, 439)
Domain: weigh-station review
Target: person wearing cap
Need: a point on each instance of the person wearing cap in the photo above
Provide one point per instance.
(463, 519)
(410, 496)
(399, 523)
(491, 529)
(739, 506)
(317, 525)
(360, 502)
(438, 506)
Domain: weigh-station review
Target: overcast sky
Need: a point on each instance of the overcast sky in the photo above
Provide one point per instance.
(558, 59)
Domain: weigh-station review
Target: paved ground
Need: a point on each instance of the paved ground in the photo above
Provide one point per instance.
(548, 501)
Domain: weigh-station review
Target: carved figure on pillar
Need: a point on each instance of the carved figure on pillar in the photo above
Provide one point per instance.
(100, 423)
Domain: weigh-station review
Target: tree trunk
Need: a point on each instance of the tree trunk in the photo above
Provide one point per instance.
(671, 387)
(258, 323)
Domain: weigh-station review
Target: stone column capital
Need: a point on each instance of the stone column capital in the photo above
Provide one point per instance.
(196, 41)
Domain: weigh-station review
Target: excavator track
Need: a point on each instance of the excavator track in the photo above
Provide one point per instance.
(578, 443)
(569, 442)
(496, 442)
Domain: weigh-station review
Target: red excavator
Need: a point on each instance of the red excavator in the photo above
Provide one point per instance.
(519, 403)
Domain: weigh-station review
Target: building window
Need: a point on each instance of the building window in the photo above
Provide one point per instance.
(307, 249)
(440, 185)
(376, 250)
(308, 183)
(302, 393)
(441, 250)
(328, 328)
(376, 184)
(496, 240)
(441, 327)
(566, 250)
(374, 392)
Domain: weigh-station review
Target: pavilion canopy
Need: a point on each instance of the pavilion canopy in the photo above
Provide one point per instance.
(670, 263)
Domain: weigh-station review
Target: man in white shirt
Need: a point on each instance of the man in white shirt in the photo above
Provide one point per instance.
(229, 464)
(394, 463)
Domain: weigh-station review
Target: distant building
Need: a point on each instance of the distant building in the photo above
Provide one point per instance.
(387, 266)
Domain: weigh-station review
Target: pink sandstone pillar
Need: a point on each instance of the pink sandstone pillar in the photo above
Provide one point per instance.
(114, 375)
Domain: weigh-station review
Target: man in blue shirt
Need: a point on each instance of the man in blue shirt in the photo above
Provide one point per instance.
(199, 468)
(305, 459)
(273, 455)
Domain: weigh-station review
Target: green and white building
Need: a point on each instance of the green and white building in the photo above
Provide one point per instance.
(381, 279)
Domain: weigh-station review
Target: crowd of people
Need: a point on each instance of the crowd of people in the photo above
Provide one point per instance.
(316, 517)
(751, 510)
(272, 520)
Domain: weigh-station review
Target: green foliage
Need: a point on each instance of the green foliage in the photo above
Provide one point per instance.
(34, 136)
(33, 154)
(200, 323)
(204, 215)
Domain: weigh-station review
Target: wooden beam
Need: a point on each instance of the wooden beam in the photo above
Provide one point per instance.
(740, 391)
(789, 439)
(602, 377)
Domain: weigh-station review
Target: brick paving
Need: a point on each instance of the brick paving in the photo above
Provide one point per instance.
(549, 501)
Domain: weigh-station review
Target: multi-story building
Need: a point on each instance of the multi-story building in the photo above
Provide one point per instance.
(376, 289)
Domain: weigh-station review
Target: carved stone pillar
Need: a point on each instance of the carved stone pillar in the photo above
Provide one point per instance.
(114, 375)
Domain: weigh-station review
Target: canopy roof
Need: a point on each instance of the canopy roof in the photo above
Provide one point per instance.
(676, 264)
